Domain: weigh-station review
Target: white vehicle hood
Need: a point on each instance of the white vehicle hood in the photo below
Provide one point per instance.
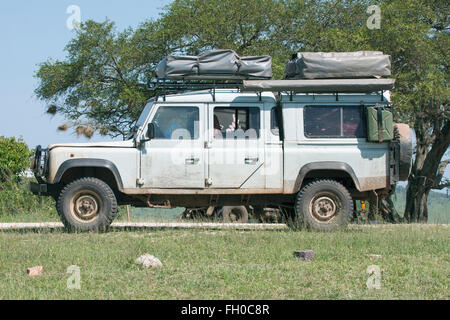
(112, 144)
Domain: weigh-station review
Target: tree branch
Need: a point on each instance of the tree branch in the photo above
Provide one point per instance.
(440, 173)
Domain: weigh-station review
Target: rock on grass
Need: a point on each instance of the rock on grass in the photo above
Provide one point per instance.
(35, 271)
(147, 260)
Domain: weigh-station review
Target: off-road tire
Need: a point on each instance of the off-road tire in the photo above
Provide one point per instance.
(94, 192)
(239, 212)
(324, 205)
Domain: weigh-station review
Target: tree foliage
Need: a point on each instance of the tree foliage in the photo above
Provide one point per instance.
(14, 157)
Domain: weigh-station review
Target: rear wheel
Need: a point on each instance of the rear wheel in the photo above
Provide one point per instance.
(237, 214)
(324, 205)
(87, 204)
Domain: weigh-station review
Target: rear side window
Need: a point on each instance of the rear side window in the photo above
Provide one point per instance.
(236, 123)
(334, 121)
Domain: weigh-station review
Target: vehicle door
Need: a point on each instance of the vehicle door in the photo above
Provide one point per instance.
(175, 158)
(235, 146)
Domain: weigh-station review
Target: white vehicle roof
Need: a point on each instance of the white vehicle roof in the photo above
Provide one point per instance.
(221, 95)
(237, 96)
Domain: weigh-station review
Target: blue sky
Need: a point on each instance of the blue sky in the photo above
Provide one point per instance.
(32, 31)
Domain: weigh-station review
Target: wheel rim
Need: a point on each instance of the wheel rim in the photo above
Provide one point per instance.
(235, 215)
(85, 205)
(325, 207)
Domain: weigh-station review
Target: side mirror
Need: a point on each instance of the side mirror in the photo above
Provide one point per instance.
(151, 131)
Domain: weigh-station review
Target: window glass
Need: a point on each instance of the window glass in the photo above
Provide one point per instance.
(322, 121)
(274, 121)
(334, 121)
(236, 123)
(353, 122)
(176, 123)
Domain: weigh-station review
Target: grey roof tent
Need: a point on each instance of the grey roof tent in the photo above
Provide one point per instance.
(215, 64)
(338, 65)
(307, 72)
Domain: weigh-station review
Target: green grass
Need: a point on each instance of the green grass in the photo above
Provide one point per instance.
(213, 264)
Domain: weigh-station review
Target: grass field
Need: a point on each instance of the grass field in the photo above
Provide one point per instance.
(218, 264)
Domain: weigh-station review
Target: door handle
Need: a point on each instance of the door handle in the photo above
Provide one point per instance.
(251, 160)
(191, 160)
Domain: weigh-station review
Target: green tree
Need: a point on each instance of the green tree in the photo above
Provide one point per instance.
(14, 157)
(101, 84)
(416, 34)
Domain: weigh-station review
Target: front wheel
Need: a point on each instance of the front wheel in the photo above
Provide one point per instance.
(324, 205)
(87, 204)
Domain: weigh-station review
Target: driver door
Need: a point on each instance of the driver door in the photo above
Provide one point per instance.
(175, 158)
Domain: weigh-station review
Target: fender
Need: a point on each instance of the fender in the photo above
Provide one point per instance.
(325, 165)
(95, 163)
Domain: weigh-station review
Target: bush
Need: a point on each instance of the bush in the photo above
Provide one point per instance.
(14, 157)
(16, 199)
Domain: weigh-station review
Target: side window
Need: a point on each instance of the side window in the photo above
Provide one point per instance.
(334, 121)
(236, 123)
(274, 128)
(173, 123)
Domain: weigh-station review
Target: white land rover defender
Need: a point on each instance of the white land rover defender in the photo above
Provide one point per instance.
(312, 145)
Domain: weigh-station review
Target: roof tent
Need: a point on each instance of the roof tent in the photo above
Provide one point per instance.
(307, 72)
(215, 64)
(338, 65)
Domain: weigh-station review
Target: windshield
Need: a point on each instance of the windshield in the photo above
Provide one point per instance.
(140, 122)
(144, 115)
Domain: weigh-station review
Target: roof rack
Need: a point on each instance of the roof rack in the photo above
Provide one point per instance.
(163, 87)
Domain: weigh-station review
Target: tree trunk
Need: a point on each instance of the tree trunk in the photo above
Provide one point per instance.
(430, 149)
(416, 200)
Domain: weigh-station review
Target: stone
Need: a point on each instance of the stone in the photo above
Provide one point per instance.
(304, 255)
(35, 271)
(147, 260)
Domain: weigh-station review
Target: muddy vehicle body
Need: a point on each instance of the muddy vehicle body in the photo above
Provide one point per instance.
(231, 148)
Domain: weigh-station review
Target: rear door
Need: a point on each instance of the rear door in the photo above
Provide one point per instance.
(235, 146)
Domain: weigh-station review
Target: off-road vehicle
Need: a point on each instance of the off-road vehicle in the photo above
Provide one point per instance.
(221, 146)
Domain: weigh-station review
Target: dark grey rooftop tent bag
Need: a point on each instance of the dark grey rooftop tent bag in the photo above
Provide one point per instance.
(215, 64)
(343, 65)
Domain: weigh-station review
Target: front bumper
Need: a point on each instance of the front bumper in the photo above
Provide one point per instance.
(38, 188)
